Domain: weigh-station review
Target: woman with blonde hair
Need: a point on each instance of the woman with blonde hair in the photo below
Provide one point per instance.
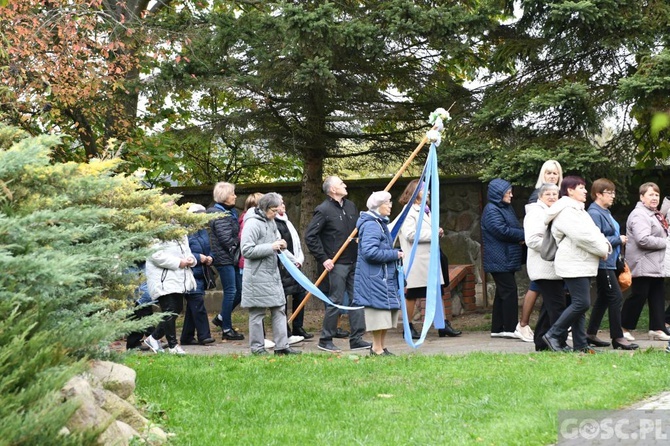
(550, 173)
(225, 240)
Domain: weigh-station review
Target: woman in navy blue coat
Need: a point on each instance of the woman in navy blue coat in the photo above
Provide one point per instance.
(503, 238)
(376, 277)
(195, 317)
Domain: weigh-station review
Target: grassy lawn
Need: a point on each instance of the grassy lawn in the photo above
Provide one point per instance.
(487, 399)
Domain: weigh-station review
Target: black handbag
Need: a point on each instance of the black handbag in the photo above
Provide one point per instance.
(620, 264)
(210, 277)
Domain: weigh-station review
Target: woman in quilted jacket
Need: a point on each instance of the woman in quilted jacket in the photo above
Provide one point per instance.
(376, 277)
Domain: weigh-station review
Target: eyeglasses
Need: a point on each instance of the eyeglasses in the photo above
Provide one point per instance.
(275, 210)
(609, 192)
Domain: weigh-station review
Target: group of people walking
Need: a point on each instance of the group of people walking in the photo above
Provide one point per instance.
(589, 244)
(243, 249)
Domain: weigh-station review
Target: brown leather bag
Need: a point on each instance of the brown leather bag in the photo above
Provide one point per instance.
(625, 278)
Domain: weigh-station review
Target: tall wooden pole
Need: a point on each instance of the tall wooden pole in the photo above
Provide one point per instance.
(355, 231)
(352, 236)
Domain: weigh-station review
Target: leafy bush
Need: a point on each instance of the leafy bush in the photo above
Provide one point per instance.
(68, 235)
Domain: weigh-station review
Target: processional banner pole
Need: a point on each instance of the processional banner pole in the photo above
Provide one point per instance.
(352, 236)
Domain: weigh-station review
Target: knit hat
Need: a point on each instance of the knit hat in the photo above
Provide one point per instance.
(197, 209)
(377, 198)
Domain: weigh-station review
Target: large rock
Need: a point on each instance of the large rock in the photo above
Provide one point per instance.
(114, 377)
(89, 415)
(122, 410)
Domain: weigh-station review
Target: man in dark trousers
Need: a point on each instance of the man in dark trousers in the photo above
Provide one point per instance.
(333, 221)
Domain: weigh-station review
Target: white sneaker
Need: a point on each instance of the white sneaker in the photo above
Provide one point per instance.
(658, 335)
(153, 344)
(524, 333)
(177, 350)
(295, 339)
(628, 336)
(269, 344)
(504, 334)
(570, 334)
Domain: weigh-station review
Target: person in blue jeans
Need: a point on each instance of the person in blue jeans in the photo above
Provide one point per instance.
(225, 249)
(195, 317)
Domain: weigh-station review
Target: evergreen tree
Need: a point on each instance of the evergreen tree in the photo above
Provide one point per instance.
(68, 235)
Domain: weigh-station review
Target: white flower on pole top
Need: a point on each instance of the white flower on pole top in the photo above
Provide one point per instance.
(437, 119)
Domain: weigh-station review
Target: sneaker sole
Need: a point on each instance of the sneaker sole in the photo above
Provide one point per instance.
(328, 350)
(522, 337)
(360, 348)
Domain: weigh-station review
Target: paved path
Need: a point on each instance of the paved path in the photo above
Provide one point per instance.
(468, 342)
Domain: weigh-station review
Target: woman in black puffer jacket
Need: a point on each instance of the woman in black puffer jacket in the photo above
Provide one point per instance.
(225, 240)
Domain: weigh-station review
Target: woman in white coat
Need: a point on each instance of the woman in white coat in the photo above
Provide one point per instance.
(581, 245)
(169, 278)
(541, 271)
(418, 277)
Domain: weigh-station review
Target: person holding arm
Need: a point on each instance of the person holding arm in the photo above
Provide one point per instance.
(550, 173)
(581, 245)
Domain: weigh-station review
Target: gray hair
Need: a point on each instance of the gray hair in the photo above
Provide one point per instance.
(377, 199)
(547, 187)
(328, 183)
(269, 200)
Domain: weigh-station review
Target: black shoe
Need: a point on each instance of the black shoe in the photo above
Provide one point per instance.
(187, 341)
(206, 341)
(288, 351)
(341, 334)
(301, 332)
(412, 330)
(594, 340)
(218, 322)
(616, 345)
(260, 353)
(552, 343)
(387, 352)
(232, 335)
(448, 330)
(359, 345)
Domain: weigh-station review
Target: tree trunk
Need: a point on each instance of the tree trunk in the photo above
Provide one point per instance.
(311, 196)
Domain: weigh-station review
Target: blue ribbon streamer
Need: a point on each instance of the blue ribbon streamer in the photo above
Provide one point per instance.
(434, 310)
(307, 284)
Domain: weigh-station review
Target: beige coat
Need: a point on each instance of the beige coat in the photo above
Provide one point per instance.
(581, 245)
(418, 276)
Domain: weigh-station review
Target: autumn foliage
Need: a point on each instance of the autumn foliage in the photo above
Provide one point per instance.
(65, 62)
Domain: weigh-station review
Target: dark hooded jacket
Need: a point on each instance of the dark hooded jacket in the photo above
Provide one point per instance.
(501, 231)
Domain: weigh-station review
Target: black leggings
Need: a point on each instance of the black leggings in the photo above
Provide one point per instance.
(172, 304)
